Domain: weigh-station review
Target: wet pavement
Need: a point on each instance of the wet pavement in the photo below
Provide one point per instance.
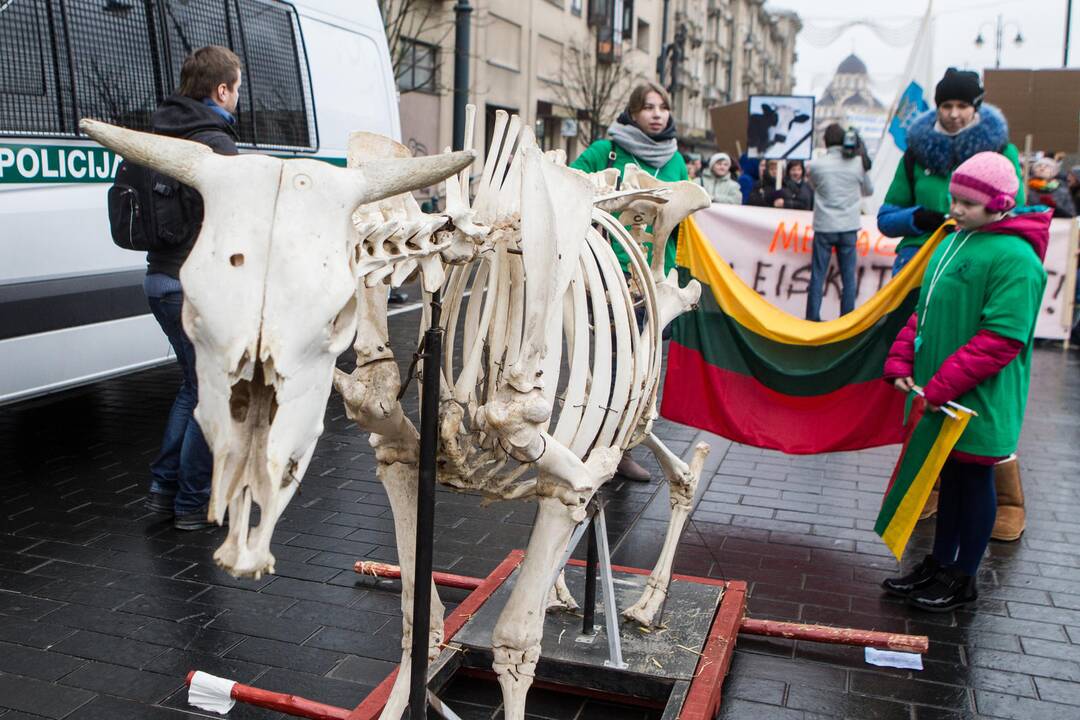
(104, 608)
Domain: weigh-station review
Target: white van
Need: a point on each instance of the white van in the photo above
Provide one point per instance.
(72, 308)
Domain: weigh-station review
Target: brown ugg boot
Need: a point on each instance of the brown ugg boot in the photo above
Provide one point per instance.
(930, 508)
(1011, 519)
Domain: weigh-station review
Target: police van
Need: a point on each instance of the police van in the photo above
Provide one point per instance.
(72, 309)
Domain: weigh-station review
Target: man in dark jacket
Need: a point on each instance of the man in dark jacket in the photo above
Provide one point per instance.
(202, 111)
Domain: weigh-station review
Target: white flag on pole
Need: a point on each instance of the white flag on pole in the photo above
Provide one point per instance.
(915, 95)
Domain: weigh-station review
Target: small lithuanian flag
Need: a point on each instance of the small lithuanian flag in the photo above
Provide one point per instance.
(927, 447)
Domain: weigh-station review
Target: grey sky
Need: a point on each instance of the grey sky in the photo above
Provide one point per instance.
(1042, 24)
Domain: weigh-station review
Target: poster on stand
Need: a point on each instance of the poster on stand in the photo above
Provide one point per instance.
(780, 127)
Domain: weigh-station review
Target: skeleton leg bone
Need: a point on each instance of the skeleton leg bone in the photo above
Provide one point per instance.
(682, 484)
(519, 629)
(399, 479)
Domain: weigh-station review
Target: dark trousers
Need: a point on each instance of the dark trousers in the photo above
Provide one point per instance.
(184, 466)
(824, 242)
(967, 507)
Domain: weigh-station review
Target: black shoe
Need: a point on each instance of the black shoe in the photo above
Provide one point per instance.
(951, 589)
(920, 576)
(159, 502)
(195, 520)
(398, 297)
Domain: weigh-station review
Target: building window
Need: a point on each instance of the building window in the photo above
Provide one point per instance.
(644, 39)
(575, 7)
(417, 66)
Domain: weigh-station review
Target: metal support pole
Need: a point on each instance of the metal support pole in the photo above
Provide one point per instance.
(660, 61)
(425, 511)
(591, 560)
(1000, 36)
(611, 613)
(462, 13)
(1068, 25)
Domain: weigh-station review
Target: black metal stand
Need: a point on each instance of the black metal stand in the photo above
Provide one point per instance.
(425, 511)
(591, 560)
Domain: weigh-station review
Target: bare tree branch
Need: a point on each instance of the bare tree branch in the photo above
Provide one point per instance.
(594, 88)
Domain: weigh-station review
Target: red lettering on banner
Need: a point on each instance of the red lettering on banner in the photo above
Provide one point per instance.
(862, 243)
(790, 239)
(879, 250)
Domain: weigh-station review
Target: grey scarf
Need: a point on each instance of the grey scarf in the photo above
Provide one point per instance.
(633, 140)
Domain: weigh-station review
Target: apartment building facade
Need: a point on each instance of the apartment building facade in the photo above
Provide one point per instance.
(547, 60)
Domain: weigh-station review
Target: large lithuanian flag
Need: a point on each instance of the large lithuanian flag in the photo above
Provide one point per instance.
(746, 370)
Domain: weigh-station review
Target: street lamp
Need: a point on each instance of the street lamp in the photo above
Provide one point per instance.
(999, 35)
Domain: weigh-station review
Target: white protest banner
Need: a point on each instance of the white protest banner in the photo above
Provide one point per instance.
(770, 249)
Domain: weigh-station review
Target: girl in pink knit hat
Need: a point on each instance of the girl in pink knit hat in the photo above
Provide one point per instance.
(969, 340)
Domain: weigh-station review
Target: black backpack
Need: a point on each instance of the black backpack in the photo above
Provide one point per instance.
(149, 211)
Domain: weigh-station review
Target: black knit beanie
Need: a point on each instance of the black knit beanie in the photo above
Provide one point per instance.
(960, 85)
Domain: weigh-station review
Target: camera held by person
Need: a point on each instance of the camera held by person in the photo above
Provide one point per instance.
(854, 146)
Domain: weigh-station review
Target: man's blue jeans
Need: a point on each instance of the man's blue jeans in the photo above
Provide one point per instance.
(819, 270)
(184, 466)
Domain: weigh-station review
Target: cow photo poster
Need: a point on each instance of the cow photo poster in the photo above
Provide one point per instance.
(780, 127)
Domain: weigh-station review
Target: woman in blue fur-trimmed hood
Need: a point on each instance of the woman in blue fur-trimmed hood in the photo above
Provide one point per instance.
(938, 141)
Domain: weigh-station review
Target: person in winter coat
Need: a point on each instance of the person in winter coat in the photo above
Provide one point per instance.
(202, 111)
(796, 192)
(765, 192)
(938, 141)
(717, 180)
(644, 134)
(1046, 188)
(1072, 181)
(749, 172)
(970, 341)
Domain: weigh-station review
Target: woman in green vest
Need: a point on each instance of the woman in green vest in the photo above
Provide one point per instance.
(937, 142)
(643, 134)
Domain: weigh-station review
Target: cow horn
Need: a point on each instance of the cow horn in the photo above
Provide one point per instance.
(383, 178)
(179, 159)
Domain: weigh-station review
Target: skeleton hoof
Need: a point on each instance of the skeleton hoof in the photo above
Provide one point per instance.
(644, 610)
(560, 597)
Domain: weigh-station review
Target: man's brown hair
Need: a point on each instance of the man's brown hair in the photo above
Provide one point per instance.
(637, 97)
(206, 68)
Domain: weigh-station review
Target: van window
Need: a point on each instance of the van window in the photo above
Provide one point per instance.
(114, 73)
(111, 60)
(30, 82)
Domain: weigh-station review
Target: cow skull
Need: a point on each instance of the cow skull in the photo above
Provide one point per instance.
(269, 302)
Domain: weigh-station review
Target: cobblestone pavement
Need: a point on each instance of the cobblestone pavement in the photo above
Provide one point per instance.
(104, 607)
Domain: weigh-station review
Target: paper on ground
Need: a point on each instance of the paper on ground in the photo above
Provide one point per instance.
(889, 658)
(208, 692)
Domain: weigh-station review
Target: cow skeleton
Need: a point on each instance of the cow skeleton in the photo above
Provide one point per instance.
(278, 283)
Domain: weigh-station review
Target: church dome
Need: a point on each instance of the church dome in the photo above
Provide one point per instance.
(852, 65)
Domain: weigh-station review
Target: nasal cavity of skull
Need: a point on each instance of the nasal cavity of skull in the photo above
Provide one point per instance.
(236, 259)
(253, 401)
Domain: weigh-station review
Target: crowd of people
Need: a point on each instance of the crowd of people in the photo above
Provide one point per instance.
(751, 181)
(971, 335)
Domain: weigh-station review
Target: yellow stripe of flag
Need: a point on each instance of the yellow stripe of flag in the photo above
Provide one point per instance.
(753, 312)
